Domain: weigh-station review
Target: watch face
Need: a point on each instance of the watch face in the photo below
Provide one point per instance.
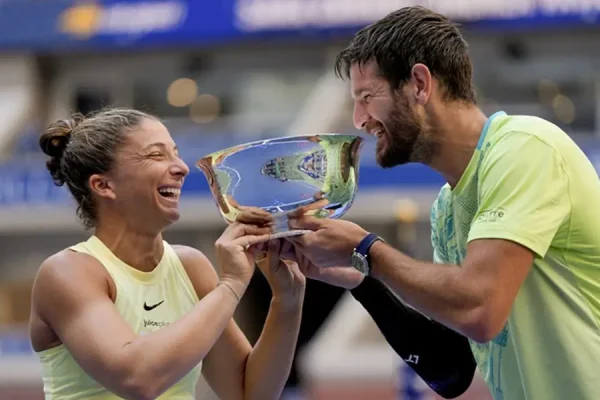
(359, 262)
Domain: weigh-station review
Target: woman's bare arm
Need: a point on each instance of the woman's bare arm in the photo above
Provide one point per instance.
(71, 295)
(234, 369)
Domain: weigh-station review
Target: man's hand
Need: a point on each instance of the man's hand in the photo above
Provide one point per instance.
(330, 244)
(345, 277)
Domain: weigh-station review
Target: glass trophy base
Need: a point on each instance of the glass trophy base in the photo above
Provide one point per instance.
(282, 234)
(281, 228)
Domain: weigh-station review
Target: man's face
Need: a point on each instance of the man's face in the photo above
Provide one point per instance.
(388, 115)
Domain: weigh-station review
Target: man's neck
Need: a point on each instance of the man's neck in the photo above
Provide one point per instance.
(456, 131)
(142, 251)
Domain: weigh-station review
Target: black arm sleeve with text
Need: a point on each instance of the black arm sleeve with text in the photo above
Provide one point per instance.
(439, 355)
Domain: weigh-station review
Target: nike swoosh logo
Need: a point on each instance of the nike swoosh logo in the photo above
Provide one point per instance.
(150, 308)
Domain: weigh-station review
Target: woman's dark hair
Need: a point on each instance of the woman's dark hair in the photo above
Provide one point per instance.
(80, 147)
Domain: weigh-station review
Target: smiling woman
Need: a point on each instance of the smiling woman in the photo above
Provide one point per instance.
(84, 151)
(165, 316)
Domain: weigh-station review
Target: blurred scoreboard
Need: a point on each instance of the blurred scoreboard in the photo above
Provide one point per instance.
(69, 25)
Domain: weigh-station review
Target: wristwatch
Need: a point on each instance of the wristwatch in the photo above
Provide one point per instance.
(360, 255)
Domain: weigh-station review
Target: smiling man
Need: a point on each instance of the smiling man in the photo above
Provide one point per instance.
(515, 229)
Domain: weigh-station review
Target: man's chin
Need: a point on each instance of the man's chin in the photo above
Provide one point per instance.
(386, 161)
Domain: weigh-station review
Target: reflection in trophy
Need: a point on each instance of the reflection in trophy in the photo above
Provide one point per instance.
(316, 174)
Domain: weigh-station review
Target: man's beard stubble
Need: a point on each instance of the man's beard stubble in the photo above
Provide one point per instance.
(405, 137)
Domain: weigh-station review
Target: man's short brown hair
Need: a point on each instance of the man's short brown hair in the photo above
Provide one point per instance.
(409, 36)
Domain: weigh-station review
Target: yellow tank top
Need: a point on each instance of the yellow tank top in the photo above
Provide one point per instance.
(147, 301)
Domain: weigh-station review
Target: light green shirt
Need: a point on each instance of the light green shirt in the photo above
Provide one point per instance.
(529, 183)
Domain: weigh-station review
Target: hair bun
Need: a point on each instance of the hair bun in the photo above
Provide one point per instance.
(55, 138)
(54, 141)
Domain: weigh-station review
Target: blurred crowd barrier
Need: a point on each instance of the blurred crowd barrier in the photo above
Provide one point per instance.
(221, 73)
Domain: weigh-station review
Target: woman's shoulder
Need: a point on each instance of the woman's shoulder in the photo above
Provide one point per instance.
(198, 267)
(68, 262)
(189, 254)
(69, 269)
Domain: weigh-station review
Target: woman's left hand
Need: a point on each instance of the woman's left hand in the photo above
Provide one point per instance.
(286, 281)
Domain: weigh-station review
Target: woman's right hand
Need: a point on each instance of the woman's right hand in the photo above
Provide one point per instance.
(234, 256)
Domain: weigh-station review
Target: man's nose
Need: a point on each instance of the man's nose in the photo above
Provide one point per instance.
(360, 115)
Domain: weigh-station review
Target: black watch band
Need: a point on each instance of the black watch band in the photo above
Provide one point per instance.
(365, 245)
(360, 255)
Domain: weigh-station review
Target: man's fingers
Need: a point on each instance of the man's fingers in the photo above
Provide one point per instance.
(297, 213)
(305, 266)
(305, 210)
(296, 241)
(306, 222)
(303, 241)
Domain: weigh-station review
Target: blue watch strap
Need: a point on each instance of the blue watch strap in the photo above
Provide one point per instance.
(365, 245)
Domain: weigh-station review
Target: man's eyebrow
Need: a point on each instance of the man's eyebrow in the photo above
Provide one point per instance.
(359, 92)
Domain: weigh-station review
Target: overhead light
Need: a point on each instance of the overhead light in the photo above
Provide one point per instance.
(182, 92)
(406, 210)
(564, 108)
(206, 108)
(547, 91)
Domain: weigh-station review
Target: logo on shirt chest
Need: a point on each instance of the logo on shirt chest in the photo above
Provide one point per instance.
(491, 215)
(152, 307)
(153, 324)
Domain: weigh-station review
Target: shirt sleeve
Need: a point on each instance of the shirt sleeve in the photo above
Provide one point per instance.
(523, 193)
(439, 355)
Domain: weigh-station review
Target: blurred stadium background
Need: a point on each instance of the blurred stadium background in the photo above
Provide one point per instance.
(223, 72)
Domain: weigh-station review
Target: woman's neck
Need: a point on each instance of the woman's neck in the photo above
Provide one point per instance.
(142, 251)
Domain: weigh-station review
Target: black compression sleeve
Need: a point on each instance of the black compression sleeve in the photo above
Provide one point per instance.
(440, 356)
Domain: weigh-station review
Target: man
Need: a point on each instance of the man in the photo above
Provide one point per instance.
(514, 231)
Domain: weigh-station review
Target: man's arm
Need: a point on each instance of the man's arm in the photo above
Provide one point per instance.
(523, 192)
(440, 356)
(524, 199)
(474, 299)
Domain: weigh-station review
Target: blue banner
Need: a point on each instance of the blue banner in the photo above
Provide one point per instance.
(54, 25)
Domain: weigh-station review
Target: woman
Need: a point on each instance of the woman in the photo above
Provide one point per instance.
(126, 315)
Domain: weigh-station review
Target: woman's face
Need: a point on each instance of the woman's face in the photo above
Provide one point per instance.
(148, 176)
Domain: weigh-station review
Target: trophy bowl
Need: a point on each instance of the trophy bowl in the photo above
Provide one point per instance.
(318, 173)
